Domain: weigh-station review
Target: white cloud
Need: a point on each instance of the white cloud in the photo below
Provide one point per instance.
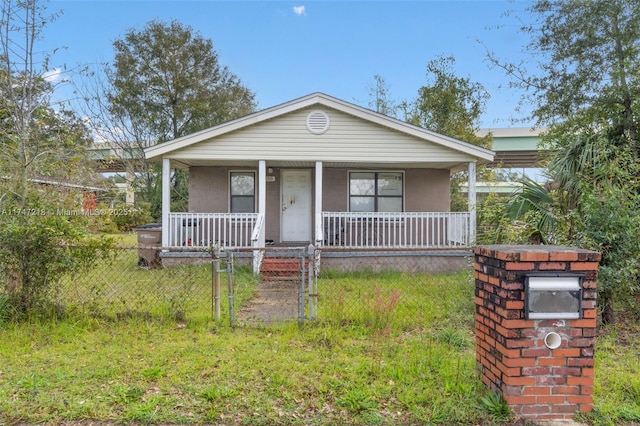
(54, 76)
(299, 10)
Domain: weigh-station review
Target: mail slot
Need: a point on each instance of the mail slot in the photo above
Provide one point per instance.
(553, 296)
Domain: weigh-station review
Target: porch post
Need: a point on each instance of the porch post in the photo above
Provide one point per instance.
(472, 202)
(318, 203)
(262, 197)
(166, 200)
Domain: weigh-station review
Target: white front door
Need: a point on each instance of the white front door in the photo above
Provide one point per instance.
(296, 205)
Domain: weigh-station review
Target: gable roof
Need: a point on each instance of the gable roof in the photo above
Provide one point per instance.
(172, 147)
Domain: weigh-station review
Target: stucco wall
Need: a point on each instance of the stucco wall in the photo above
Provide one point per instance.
(208, 189)
(425, 190)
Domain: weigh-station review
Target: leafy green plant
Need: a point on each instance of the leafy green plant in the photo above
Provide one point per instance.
(36, 251)
(494, 404)
(453, 337)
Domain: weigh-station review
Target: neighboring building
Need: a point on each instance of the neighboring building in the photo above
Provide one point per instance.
(322, 171)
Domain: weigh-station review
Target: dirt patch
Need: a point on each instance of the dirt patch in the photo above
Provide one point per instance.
(275, 301)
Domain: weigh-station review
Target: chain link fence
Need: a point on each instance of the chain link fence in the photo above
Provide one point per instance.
(333, 286)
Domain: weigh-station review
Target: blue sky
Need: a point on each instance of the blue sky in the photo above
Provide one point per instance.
(284, 50)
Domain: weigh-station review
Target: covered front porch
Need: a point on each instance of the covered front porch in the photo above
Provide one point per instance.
(343, 229)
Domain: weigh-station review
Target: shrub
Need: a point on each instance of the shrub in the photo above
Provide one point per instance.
(39, 245)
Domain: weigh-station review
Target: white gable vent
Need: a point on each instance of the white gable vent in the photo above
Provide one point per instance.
(318, 122)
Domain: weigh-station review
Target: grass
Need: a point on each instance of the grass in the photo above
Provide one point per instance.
(388, 348)
(119, 288)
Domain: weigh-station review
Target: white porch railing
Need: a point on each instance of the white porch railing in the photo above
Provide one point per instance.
(223, 230)
(396, 230)
(339, 229)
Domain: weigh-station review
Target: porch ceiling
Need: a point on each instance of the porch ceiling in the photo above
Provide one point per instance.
(455, 166)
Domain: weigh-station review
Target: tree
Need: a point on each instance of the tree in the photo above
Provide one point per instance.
(168, 79)
(165, 81)
(379, 98)
(37, 143)
(587, 91)
(449, 104)
(37, 140)
(452, 106)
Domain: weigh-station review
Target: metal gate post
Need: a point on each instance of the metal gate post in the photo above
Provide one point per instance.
(230, 289)
(313, 300)
(301, 289)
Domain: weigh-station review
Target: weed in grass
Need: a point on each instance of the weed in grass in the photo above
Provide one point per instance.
(495, 405)
(146, 410)
(153, 373)
(215, 394)
(128, 394)
(357, 401)
(453, 337)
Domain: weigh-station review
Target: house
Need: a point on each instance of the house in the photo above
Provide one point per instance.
(318, 170)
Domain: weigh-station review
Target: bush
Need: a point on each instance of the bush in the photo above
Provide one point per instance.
(39, 245)
(126, 217)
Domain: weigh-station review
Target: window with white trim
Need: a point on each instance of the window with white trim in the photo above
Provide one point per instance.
(242, 192)
(375, 191)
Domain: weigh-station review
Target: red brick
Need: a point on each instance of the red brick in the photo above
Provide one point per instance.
(552, 399)
(550, 380)
(583, 266)
(568, 408)
(581, 381)
(567, 371)
(580, 399)
(535, 409)
(509, 371)
(514, 304)
(586, 352)
(586, 390)
(517, 323)
(511, 353)
(589, 313)
(552, 266)
(565, 390)
(518, 400)
(506, 255)
(580, 362)
(520, 343)
(583, 323)
(534, 256)
(585, 408)
(566, 352)
(519, 266)
(582, 343)
(519, 362)
(563, 256)
(536, 390)
(534, 353)
(519, 381)
(512, 390)
(555, 362)
(507, 332)
(535, 371)
(587, 372)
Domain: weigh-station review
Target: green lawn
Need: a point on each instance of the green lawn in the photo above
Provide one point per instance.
(387, 349)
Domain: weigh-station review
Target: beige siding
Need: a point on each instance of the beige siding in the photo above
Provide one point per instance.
(348, 139)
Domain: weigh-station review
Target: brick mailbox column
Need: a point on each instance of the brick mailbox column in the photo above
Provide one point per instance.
(542, 365)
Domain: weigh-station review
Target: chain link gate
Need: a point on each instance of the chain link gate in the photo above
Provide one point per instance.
(285, 289)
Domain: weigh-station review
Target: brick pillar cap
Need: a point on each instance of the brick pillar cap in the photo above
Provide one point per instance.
(490, 250)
